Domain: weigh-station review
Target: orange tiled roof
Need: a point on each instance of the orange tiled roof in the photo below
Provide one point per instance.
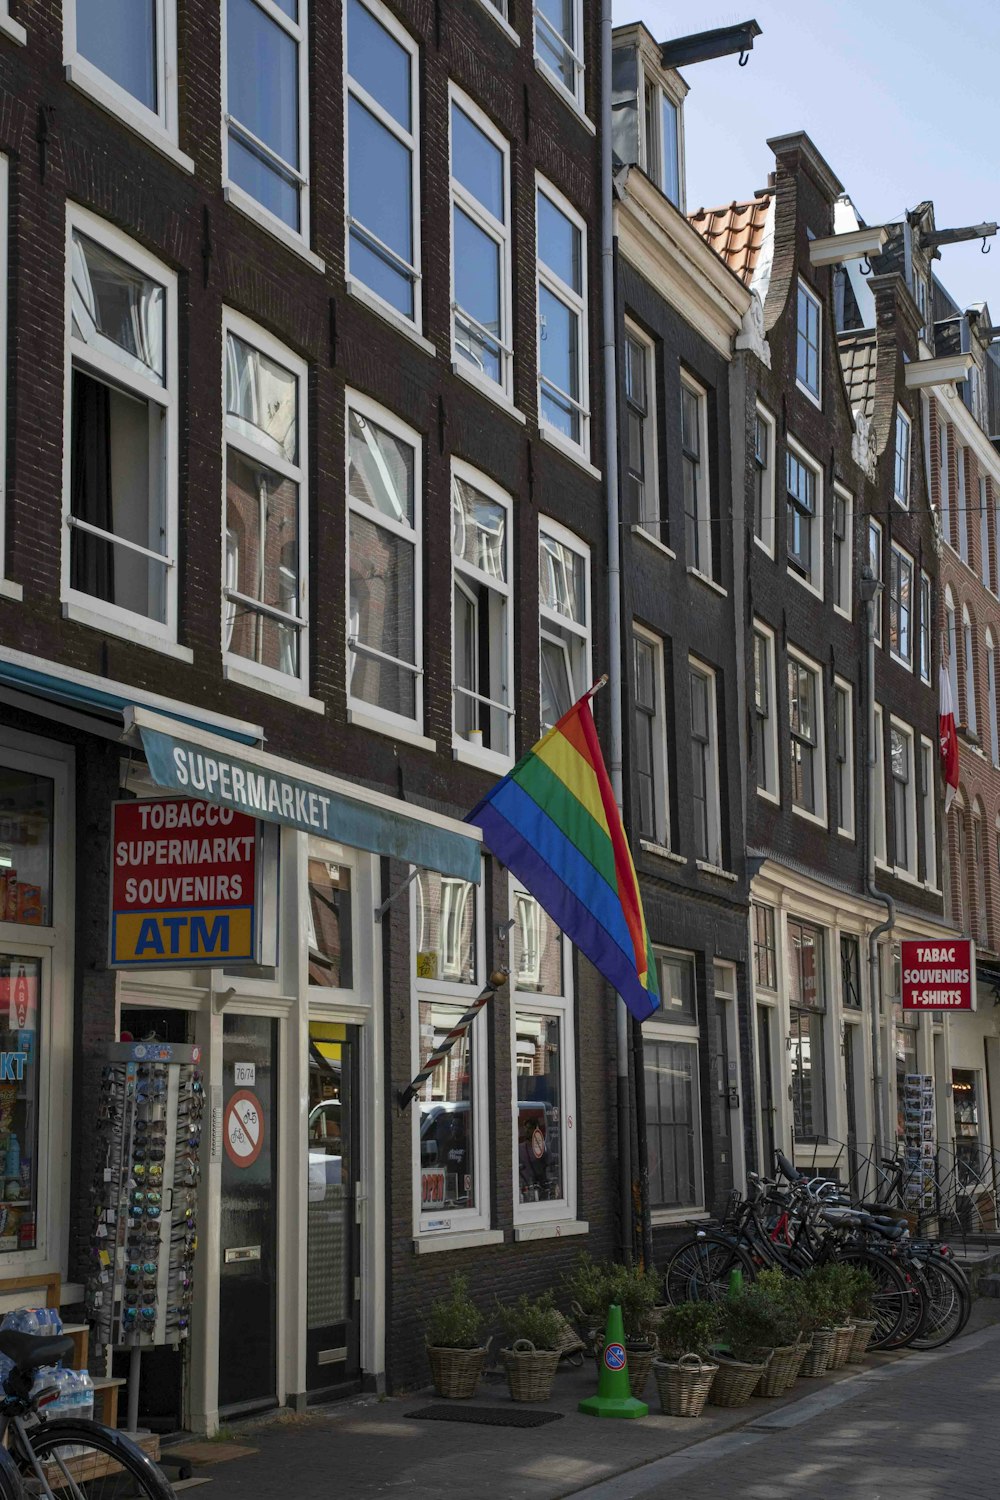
(735, 233)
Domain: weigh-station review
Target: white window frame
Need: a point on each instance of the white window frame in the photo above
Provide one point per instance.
(815, 396)
(654, 169)
(879, 833)
(944, 482)
(690, 1034)
(819, 816)
(159, 126)
(715, 858)
(252, 334)
(462, 1221)
(661, 776)
(652, 522)
(875, 530)
(969, 674)
(11, 28)
(575, 96)
(843, 693)
(410, 139)
(925, 637)
(909, 870)
(903, 559)
(991, 696)
(558, 622)
(766, 538)
(962, 505)
(928, 801)
(462, 749)
(578, 302)
(901, 459)
(562, 1007)
(951, 641)
(79, 605)
(238, 196)
(770, 786)
(359, 709)
(843, 577)
(705, 565)
(500, 233)
(814, 581)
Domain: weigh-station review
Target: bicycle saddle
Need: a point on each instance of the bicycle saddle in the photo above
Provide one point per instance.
(29, 1352)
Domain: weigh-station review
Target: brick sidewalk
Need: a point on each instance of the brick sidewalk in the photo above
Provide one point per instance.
(917, 1427)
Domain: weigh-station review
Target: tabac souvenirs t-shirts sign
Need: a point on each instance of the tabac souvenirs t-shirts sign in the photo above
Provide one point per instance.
(938, 974)
(184, 885)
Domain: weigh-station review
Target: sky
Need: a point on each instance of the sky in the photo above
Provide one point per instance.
(899, 96)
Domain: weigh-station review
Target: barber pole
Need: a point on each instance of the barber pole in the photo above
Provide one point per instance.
(407, 1095)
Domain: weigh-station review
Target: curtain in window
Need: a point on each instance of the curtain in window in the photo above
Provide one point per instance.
(92, 568)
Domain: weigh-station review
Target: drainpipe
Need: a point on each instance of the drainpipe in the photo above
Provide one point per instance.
(614, 592)
(871, 589)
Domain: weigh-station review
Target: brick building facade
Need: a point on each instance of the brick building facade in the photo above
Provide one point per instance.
(228, 369)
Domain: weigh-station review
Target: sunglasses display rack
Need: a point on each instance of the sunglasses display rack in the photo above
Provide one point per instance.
(140, 1289)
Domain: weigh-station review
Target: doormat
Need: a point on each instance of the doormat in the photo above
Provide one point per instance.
(207, 1452)
(485, 1416)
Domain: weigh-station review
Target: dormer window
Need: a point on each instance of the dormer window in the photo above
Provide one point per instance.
(809, 325)
(662, 139)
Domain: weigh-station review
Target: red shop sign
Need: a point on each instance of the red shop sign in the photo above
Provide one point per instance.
(183, 888)
(938, 974)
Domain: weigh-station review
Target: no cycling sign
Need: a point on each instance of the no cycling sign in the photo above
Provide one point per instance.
(243, 1136)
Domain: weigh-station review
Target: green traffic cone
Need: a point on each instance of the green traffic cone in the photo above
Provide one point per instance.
(735, 1282)
(614, 1399)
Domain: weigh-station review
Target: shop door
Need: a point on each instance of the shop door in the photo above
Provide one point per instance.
(247, 1274)
(852, 1040)
(766, 1067)
(333, 1284)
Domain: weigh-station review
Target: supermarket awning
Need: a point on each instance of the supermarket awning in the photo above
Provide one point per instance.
(267, 786)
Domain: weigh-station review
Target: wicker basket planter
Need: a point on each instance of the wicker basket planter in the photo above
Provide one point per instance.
(640, 1362)
(780, 1372)
(796, 1362)
(455, 1372)
(589, 1328)
(817, 1358)
(683, 1385)
(863, 1330)
(530, 1371)
(735, 1382)
(843, 1338)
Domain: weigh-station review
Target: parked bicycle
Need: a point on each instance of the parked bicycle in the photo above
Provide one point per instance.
(921, 1297)
(63, 1458)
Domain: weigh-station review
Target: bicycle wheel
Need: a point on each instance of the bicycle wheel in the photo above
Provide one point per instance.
(82, 1460)
(892, 1295)
(699, 1270)
(918, 1304)
(949, 1307)
(11, 1487)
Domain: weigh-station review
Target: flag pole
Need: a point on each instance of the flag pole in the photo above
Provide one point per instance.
(406, 1096)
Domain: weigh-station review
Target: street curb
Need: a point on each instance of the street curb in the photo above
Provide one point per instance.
(644, 1478)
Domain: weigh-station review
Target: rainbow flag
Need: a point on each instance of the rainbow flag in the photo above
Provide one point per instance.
(554, 822)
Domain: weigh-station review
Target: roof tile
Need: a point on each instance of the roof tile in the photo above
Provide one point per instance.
(735, 233)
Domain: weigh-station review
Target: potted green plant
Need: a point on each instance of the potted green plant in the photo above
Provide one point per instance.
(862, 1313)
(786, 1356)
(535, 1330)
(754, 1323)
(453, 1336)
(586, 1290)
(819, 1313)
(840, 1280)
(684, 1372)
